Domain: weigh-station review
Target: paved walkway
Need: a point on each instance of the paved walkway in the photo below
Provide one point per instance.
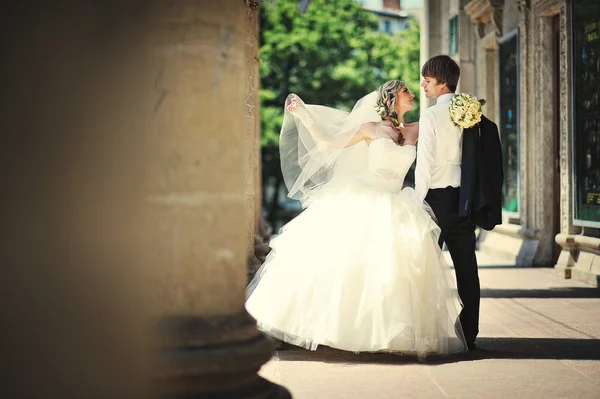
(539, 334)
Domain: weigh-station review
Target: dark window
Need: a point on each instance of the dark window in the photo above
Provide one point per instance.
(508, 51)
(586, 110)
(453, 45)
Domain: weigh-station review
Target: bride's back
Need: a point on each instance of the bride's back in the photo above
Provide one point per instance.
(381, 163)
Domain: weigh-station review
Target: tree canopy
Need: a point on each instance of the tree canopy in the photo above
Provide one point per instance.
(330, 55)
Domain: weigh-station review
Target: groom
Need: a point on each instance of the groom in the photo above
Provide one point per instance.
(437, 181)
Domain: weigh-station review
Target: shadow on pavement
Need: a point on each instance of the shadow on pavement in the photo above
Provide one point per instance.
(488, 348)
(329, 355)
(530, 348)
(562, 292)
(511, 266)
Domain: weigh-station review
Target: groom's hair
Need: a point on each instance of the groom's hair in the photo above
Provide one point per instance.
(443, 69)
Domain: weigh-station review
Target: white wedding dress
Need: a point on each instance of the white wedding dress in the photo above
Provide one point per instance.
(360, 269)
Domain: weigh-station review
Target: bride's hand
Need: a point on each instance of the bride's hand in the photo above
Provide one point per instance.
(294, 105)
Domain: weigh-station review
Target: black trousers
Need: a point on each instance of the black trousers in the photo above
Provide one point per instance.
(459, 235)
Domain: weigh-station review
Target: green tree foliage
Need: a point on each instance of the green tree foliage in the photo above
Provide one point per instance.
(332, 55)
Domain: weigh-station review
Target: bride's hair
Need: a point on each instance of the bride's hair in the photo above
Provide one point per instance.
(387, 94)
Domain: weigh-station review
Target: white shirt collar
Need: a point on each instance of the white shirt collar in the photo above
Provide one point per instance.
(445, 98)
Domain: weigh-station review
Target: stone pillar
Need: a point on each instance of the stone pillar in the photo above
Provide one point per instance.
(543, 156)
(425, 41)
(466, 48)
(252, 149)
(492, 84)
(570, 254)
(566, 130)
(482, 43)
(487, 79)
(524, 109)
(71, 308)
(198, 207)
(431, 37)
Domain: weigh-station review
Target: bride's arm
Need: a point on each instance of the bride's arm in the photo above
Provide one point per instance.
(296, 108)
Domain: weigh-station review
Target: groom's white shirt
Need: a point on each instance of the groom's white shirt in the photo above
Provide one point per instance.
(439, 149)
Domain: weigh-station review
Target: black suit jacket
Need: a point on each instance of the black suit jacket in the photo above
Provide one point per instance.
(482, 175)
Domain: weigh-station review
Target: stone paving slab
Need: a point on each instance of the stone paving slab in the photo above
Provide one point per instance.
(539, 335)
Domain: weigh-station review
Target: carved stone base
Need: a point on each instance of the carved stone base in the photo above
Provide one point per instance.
(568, 256)
(579, 258)
(254, 263)
(215, 357)
(261, 247)
(261, 250)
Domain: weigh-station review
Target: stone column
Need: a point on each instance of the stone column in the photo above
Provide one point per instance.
(483, 44)
(524, 109)
(252, 149)
(566, 131)
(486, 72)
(466, 48)
(492, 83)
(444, 26)
(425, 39)
(431, 37)
(543, 157)
(570, 249)
(71, 309)
(198, 207)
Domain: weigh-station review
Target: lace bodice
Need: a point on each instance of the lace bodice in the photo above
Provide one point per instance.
(388, 163)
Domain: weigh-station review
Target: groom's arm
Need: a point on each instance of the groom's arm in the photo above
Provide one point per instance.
(425, 155)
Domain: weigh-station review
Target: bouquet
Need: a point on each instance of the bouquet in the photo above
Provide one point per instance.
(465, 110)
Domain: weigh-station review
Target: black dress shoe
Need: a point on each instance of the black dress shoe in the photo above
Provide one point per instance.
(471, 346)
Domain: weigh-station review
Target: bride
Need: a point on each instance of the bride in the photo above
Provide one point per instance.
(360, 269)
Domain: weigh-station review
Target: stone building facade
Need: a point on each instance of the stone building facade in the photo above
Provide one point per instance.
(391, 14)
(537, 64)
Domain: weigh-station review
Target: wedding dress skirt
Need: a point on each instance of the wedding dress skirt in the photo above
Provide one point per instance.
(359, 270)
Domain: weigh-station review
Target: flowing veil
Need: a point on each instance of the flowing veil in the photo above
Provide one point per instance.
(313, 142)
(313, 151)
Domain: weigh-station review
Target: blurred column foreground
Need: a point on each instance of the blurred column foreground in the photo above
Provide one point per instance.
(201, 216)
(124, 201)
(73, 319)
